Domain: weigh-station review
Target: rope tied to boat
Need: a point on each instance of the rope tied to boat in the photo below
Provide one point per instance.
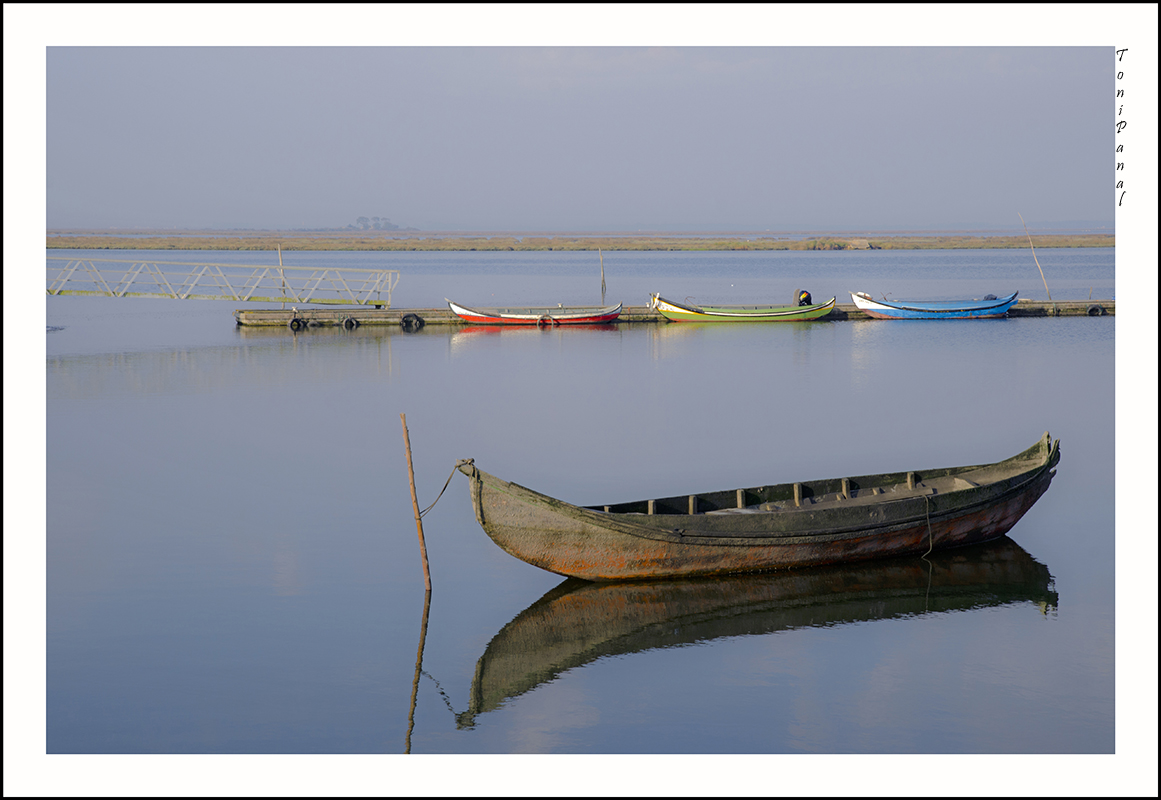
(459, 463)
(930, 547)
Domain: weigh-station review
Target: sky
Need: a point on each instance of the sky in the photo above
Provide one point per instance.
(584, 138)
(567, 119)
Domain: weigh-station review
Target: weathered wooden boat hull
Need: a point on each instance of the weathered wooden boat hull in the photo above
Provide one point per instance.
(547, 315)
(933, 309)
(578, 622)
(790, 525)
(682, 312)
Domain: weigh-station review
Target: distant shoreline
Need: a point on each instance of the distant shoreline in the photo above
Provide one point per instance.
(365, 240)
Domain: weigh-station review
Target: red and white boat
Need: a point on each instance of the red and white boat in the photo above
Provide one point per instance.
(542, 315)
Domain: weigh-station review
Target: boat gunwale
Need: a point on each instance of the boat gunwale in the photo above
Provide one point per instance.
(678, 534)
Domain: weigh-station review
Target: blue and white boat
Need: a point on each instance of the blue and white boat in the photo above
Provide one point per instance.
(989, 307)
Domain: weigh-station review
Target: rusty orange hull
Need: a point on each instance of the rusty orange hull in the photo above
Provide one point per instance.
(791, 525)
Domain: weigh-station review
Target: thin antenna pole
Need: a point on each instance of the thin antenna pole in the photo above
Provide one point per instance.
(415, 504)
(1034, 258)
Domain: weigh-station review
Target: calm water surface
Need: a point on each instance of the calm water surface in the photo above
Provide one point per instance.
(233, 565)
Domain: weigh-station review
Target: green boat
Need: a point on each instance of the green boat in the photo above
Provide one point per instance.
(688, 312)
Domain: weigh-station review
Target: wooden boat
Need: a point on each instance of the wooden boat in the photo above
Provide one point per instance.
(544, 315)
(578, 622)
(687, 312)
(990, 307)
(764, 527)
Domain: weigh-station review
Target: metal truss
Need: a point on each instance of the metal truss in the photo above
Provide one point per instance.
(182, 280)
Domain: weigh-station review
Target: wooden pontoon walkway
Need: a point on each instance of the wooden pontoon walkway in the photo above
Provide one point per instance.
(367, 315)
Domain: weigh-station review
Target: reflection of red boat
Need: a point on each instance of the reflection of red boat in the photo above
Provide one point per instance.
(542, 315)
(496, 330)
(475, 330)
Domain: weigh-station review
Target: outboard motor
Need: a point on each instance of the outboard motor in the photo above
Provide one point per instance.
(804, 298)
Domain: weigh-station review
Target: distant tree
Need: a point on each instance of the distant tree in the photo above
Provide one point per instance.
(374, 223)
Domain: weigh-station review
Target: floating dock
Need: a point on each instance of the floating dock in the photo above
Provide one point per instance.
(354, 316)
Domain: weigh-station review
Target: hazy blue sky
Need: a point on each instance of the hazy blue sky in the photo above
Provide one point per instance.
(580, 138)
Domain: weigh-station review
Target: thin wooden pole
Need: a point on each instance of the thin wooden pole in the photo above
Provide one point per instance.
(281, 275)
(415, 503)
(418, 669)
(1034, 258)
(602, 255)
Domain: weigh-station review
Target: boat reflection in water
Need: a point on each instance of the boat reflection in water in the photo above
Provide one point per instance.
(578, 622)
(467, 335)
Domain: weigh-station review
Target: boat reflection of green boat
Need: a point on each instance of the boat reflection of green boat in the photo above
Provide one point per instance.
(578, 622)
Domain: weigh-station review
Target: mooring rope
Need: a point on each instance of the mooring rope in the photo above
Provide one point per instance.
(930, 547)
(442, 693)
(459, 463)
